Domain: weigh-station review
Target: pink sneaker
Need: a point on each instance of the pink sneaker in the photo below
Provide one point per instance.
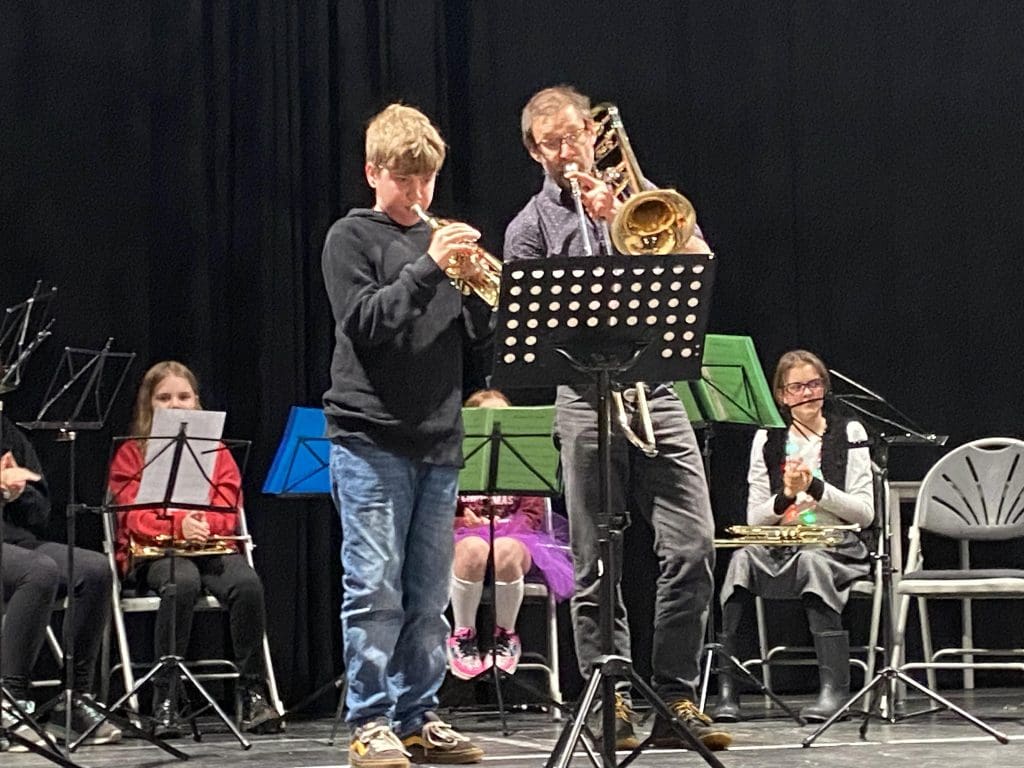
(507, 650)
(463, 654)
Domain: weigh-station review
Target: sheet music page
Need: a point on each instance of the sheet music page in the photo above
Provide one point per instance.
(191, 486)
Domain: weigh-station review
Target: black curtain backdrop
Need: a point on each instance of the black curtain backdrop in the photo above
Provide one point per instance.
(173, 167)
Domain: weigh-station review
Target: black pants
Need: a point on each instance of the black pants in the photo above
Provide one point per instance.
(231, 580)
(36, 575)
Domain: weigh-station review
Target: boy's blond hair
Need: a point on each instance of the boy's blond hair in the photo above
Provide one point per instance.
(403, 140)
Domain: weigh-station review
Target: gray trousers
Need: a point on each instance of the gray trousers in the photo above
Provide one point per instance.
(670, 492)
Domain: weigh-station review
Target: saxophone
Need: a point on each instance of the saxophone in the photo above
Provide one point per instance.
(786, 535)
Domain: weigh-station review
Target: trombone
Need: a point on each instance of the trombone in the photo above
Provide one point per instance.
(649, 222)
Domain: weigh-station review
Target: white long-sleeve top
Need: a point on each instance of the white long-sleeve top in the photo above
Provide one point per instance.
(853, 504)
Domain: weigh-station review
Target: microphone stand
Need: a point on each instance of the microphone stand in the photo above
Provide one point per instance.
(890, 675)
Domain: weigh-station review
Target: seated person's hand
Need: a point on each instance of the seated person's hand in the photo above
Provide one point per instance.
(796, 477)
(471, 519)
(13, 478)
(194, 527)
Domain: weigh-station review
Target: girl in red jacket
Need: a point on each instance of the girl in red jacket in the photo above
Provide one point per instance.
(228, 577)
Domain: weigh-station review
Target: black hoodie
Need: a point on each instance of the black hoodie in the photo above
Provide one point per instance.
(400, 331)
(27, 514)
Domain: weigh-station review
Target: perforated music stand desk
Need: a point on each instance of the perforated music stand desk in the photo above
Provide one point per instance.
(561, 319)
(301, 465)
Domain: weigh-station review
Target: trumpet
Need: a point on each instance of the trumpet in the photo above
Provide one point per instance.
(473, 270)
(150, 549)
(787, 535)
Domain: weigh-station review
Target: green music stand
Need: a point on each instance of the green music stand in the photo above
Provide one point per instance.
(509, 451)
(732, 388)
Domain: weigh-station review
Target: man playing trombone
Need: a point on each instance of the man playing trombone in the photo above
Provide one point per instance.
(570, 216)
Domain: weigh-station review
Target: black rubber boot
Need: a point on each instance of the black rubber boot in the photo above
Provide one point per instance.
(728, 708)
(833, 649)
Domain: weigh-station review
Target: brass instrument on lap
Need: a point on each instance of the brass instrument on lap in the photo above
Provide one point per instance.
(158, 545)
(652, 221)
(786, 535)
(473, 270)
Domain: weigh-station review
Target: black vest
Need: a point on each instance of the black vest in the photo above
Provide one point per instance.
(834, 452)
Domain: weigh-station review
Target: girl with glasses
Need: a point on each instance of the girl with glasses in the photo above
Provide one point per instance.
(809, 473)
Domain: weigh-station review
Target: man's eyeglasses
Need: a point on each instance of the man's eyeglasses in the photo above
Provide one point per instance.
(799, 387)
(571, 139)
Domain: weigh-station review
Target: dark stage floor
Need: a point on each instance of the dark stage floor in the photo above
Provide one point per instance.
(928, 742)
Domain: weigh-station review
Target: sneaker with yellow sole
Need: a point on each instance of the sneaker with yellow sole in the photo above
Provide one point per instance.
(375, 745)
(437, 742)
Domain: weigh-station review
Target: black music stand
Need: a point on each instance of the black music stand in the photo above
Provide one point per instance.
(171, 665)
(23, 328)
(580, 321)
(509, 452)
(79, 398)
(889, 427)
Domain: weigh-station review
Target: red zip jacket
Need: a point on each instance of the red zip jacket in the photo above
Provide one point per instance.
(147, 523)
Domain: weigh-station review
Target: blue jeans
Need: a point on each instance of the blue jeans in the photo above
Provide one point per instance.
(396, 552)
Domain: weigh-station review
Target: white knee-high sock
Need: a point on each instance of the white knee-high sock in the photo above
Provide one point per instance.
(465, 601)
(508, 597)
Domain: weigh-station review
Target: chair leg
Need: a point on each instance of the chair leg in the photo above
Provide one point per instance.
(762, 644)
(926, 639)
(554, 683)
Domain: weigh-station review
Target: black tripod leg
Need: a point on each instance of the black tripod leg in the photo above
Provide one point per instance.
(246, 744)
(338, 683)
(496, 676)
(128, 725)
(997, 735)
(880, 676)
(338, 712)
(52, 755)
(567, 740)
(50, 751)
(741, 670)
(678, 725)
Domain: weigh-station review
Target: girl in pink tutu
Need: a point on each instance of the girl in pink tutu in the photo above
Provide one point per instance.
(521, 548)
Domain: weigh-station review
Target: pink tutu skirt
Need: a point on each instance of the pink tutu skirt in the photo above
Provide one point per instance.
(552, 560)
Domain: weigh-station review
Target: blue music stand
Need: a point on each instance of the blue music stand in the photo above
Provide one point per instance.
(302, 462)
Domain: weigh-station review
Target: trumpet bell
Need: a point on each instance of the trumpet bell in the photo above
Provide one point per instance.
(654, 222)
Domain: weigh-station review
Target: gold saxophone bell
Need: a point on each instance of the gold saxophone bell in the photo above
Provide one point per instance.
(786, 535)
(472, 270)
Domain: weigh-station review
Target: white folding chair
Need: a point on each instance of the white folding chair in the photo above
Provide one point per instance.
(973, 494)
(127, 601)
